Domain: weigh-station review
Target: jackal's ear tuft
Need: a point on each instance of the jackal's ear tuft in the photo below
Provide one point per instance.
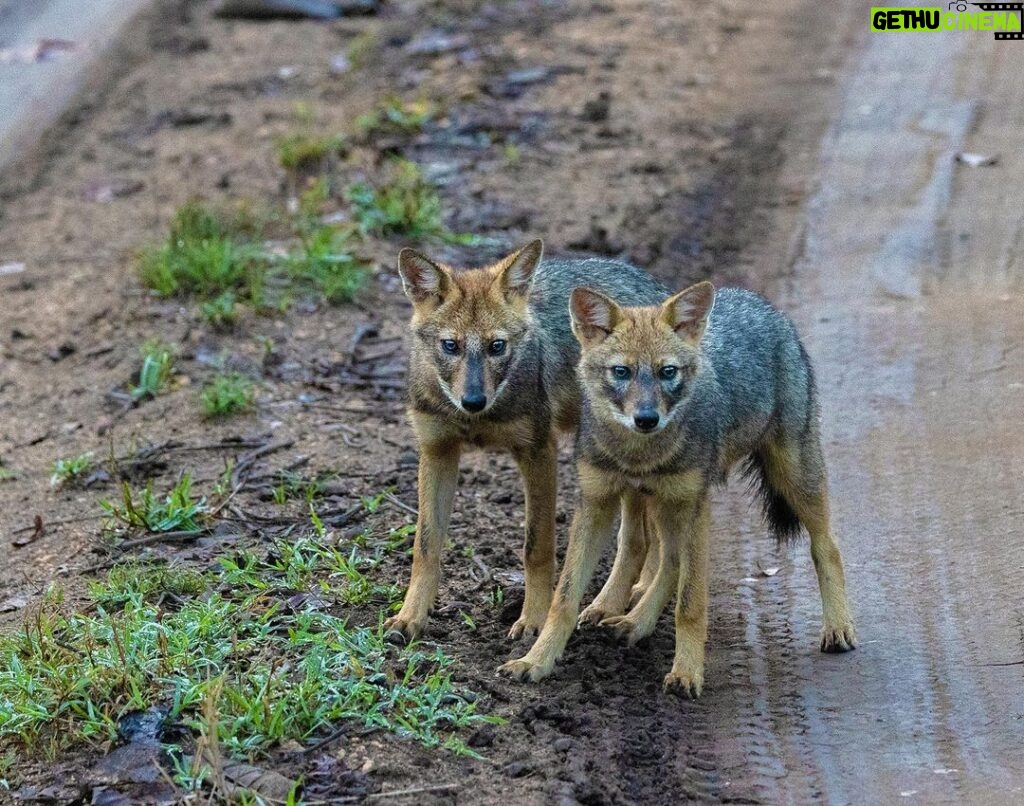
(594, 316)
(516, 271)
(687, 312)
(422, 278)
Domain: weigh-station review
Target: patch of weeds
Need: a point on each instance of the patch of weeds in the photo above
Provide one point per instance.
(6, 473)
(324, 264)
(395, 116)
(512, 153)
(8, 758)
(222, 311)
(69, 470)
(362, 49)
(293, 486)
(467, 620)
(151, 583)
(155, 375)
(404, 203)
(202, 256)
(275, 666)
(178, 511)
(226, 395)
(305, 150)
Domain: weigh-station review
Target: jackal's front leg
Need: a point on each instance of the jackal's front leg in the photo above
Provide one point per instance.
(687, 675)
(540, 478)
(592, 527)
(438, 477)
(629, 557)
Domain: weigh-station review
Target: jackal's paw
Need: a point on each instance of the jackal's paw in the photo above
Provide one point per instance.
(407, 626)
(636, 593)
(525, 670)
(597, 613)
(525, 627)
(626, 628)
(838, 639)
(686, 683)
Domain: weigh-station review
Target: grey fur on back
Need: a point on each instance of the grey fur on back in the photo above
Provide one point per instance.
(549, 301)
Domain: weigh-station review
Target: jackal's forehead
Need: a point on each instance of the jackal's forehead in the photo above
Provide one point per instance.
(643, 337)
(474, 308)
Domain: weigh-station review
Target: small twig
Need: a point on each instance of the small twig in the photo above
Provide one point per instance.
(161, 537)
(417, 790)
(393, 499)
(61, 522)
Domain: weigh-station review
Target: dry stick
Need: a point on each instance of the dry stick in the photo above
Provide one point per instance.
(60, 522)
(418, 790)
(160, 537)
(240, 472)
(393, 499)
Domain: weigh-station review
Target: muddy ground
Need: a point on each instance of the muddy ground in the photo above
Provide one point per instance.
(744, 142)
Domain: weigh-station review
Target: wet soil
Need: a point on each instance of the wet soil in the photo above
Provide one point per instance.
(755, 143)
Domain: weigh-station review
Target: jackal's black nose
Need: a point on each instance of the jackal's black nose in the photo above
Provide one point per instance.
(474, 402)
(646, 420)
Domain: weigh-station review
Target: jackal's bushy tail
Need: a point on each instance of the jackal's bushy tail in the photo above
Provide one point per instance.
(778, 514)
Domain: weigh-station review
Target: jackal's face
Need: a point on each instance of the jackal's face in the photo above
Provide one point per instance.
(638, 364)
(470, 326)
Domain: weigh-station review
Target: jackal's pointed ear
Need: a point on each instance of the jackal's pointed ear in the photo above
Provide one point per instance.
(422, 279)
(687, 312)
(594, 316)
(515, 273)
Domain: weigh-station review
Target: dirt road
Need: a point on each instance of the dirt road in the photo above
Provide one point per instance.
(779, 145)
(907, 284)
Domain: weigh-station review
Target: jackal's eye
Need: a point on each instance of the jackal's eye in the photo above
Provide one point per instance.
(668, 373)
(497, 347)
(450, 346)
(621, 373)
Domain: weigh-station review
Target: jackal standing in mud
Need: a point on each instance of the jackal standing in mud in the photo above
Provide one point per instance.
(493, 365)
(674, 396)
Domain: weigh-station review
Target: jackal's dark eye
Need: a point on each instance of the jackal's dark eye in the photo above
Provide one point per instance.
(450, 346)
(621, 373)
(497, 347)
(668, 373)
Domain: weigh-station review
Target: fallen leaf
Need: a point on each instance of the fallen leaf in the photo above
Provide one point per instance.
(104, 192)
(41, 50)
(976, 160)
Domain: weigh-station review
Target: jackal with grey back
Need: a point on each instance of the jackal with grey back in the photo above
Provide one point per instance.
(493, 365)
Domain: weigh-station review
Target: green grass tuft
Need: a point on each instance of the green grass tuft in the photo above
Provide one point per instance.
(179, 511)
(155, 375)
(226, 395)
(303, 150)
(69, 470)
(397, 117)
(403, 204)
(201, 257)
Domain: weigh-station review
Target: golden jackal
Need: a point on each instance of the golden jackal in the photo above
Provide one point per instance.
(493, 365)
(675, 395)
